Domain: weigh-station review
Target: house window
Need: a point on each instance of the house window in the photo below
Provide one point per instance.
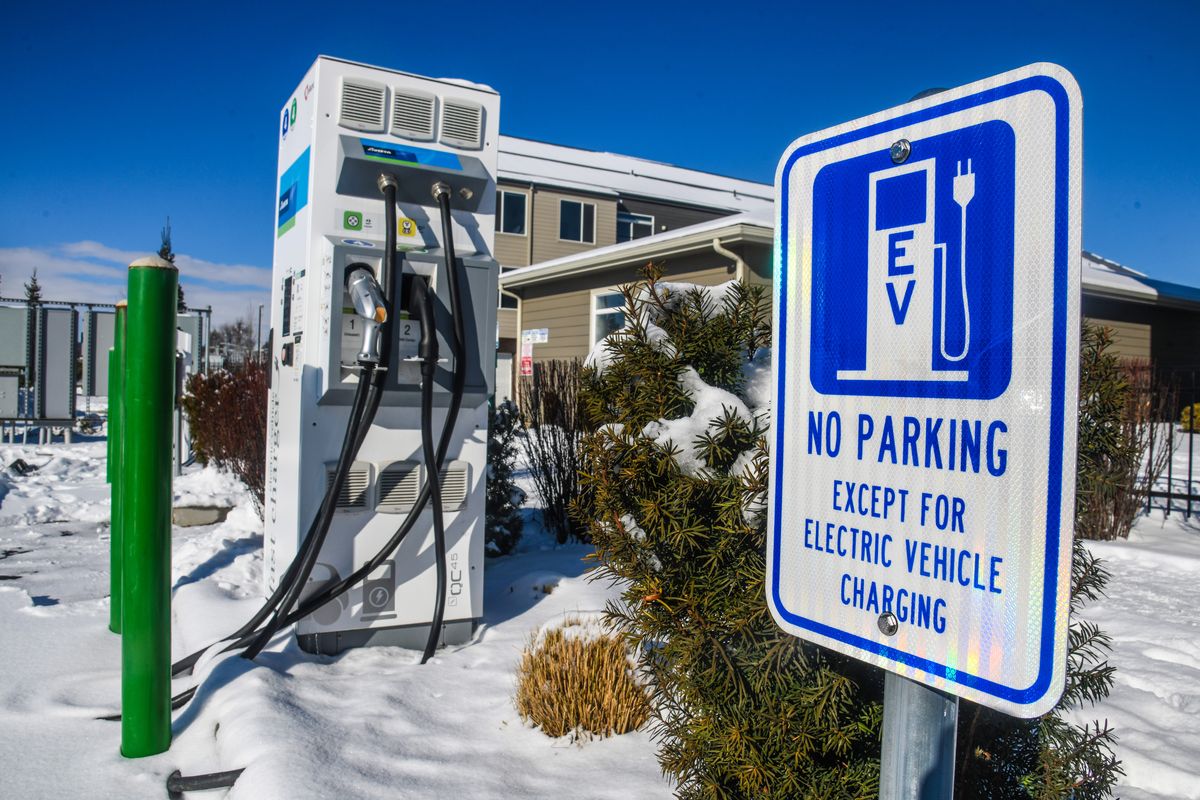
(633, 226)
(511, 216)
(608, 313)
(577, 221)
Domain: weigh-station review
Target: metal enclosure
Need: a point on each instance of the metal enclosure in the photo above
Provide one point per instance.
(10, 397)
(16, 343)
(191, 326)
(57, 351)
(344, 125)
(98, 331)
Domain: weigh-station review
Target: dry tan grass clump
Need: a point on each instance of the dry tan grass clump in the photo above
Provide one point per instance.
(575, 679)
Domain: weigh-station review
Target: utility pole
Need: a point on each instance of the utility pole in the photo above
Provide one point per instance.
(258, 336)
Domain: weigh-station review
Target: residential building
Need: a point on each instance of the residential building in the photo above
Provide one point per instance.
(573, 225)
(560, 202)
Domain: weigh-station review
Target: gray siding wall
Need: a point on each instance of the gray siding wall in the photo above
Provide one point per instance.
(758, 258)
(546, 244)
(667, 217)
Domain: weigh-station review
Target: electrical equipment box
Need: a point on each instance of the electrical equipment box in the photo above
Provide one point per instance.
(57, 354)
(10, 396)
(17, 335)
(99, 329)
(344, 125)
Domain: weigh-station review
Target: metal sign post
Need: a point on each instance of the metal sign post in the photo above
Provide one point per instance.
(926, 366)
(919, 730)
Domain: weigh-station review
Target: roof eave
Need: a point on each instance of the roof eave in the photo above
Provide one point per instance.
(586, 263)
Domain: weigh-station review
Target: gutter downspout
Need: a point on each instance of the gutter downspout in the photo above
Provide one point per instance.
(740, 272)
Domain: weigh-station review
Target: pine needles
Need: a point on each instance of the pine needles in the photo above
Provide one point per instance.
(741, 709)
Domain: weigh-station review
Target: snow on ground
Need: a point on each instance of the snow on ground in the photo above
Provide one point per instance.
(208, 486)
(369, 723)
(1150, 614)
(372, 722)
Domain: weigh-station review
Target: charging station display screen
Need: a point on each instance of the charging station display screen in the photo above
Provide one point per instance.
(408, 155)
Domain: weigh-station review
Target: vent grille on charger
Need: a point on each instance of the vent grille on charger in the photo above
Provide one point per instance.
(454, 486)
(399, 485)
(462, 123)
(362, 105)
(354, 492)
(412, 114)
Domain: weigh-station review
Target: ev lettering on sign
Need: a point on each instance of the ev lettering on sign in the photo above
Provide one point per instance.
(926, 362)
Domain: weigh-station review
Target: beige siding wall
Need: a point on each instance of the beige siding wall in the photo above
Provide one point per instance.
(564, 307)
(513, 250)
(507, 317)
(547, 245)
(566, 316)
(1130, 339)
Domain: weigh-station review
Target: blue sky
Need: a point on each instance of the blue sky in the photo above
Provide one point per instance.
(116, 117)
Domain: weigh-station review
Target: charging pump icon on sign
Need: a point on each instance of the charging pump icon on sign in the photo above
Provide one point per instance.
(906, 292)
(902, 261)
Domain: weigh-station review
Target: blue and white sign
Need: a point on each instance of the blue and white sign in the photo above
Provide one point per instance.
(926, 350)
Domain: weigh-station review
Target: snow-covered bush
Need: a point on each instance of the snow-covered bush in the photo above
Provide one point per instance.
(674, 477)
(504, 499)
(227, 415)
(577, 679)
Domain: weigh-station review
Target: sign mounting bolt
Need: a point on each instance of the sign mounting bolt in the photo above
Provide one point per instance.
(888, 624)
(900, 151)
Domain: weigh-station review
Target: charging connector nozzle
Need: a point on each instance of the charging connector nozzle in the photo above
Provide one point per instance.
(367, 297)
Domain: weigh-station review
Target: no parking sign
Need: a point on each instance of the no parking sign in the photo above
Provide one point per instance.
(926, 351)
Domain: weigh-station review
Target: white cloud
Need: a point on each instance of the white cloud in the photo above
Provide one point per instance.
(229, 274)
(189, 266)
(90, 249)
(92, 272)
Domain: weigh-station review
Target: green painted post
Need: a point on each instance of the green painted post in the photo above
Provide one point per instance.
(116, 408)
(146, 507)
(108, 460)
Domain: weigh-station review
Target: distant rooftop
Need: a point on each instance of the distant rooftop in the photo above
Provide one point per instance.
(575, 169)
(1105, 276)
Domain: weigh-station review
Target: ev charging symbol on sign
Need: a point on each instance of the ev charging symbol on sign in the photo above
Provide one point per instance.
(926, 363)
(917, 283)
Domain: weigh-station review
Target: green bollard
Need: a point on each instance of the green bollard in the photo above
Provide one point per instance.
(116, 408)
(146, 507)
(108, 444)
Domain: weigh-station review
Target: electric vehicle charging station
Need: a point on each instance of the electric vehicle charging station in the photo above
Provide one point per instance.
(349, 134)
